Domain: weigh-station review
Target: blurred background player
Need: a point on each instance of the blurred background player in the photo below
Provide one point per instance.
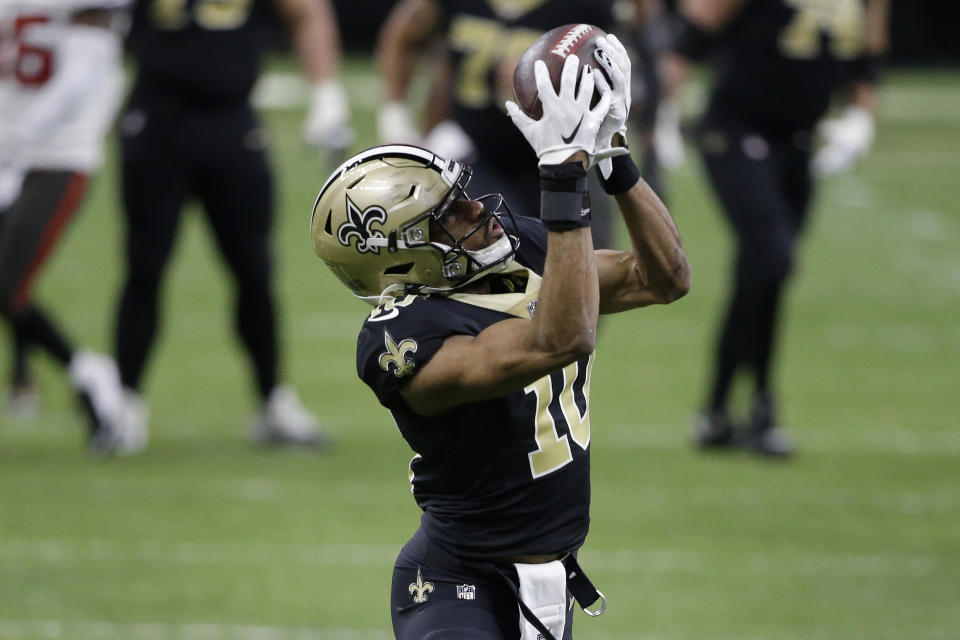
(189, 131)
(477, 45)
(61, 81)
(777, 65)
(645, 27)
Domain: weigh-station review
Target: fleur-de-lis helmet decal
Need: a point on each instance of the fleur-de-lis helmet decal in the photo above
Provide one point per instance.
(358, 226)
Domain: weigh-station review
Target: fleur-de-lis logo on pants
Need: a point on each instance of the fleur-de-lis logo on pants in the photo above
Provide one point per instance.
(420, 589)
(358, 226)
(396, 355)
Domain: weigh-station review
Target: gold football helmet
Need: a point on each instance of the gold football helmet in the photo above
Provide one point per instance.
(376, 219)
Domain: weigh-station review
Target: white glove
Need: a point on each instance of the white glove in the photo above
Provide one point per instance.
(846, 139)
(11, 181)
(568, 124)
(613, 58)
(394, 124)
(328, 116)
(667, 139)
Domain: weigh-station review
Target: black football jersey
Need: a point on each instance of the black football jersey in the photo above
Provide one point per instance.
(206, 51)
(482, 33)
(500, 477)
(779, 61)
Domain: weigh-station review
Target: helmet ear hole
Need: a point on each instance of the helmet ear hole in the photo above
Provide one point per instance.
(328, 226)
(398, 269)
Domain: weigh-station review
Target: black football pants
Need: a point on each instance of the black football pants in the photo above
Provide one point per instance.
(763, 185)
(172, 153)
(29, 232)
(464, 600)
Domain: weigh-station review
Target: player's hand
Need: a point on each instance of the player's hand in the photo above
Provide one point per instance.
(568, 124)
(395, 125)
(846, 139)
(11, 181)
(612, 56)
(328, 117)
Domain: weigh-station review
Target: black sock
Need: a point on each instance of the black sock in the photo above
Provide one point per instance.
(19, 372)
(33, 326)
(256, 325)
(135, 329)
(735, 343)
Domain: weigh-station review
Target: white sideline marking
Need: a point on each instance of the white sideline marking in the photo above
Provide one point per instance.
(929, 224)
(97, 630)
(883, 440)
(902, 337)
(61, 552)
(195, 553)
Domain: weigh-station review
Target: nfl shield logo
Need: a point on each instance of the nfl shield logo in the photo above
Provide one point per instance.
(466, 592)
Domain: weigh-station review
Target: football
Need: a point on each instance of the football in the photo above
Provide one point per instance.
(553, 47)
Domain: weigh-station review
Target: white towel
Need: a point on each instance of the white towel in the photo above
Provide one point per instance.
(543, 588)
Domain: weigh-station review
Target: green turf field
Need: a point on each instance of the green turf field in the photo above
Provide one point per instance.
(205, 536)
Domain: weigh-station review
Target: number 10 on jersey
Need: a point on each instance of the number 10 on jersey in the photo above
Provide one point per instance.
(553, 447)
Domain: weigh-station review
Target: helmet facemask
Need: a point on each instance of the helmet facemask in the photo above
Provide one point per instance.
(462, 265)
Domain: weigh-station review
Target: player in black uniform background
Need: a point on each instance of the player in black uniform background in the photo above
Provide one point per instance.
(481, 347)
(189, 132)
(776, 66)
(471, 79)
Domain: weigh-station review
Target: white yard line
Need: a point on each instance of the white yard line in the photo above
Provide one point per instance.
(883, 440)
(104, 630)
(652, 561)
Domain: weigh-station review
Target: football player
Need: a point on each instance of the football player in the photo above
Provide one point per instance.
(473, 76)
(188, 131)
(61, 80)
(481, 346)
(778, 63)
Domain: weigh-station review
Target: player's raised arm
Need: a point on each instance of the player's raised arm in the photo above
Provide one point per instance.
(508, 355)
(656, 270)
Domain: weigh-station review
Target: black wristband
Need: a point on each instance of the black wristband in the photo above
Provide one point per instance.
(692, 41)
(624, 175)
(564, 197)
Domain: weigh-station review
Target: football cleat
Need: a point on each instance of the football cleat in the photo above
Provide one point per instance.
(284, 420)
(23, 402)
(763, 436)
(712, 430)
(772, 442)
(97, 384)
(131, 424)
